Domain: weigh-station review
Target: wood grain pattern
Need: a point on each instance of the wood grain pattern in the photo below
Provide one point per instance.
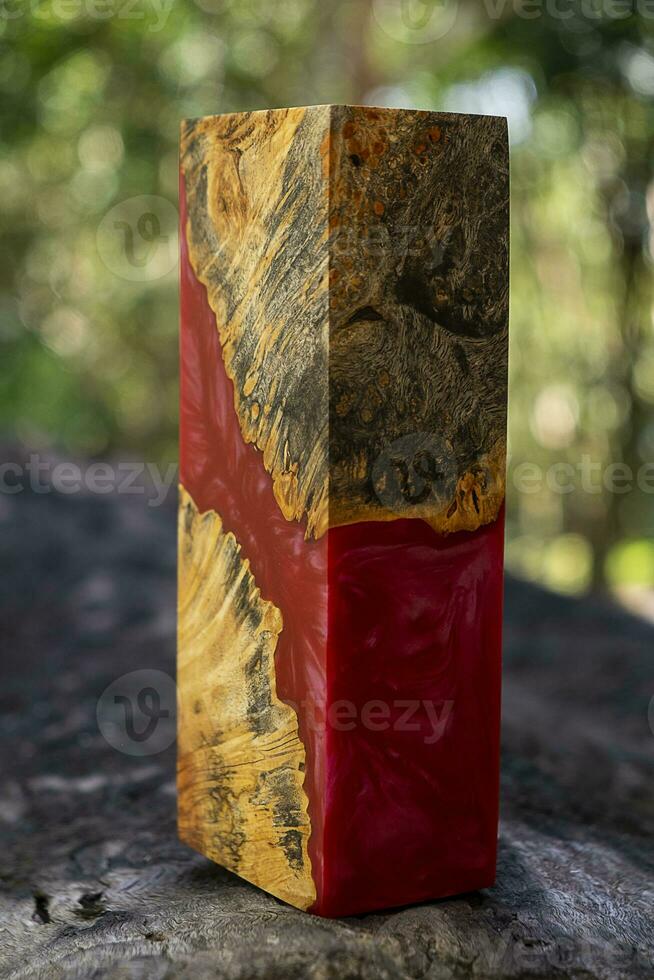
(256, 187)
(418, 305)
(357, 263)
(240, 759)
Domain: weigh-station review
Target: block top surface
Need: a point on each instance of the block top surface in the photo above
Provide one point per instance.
(331, 106)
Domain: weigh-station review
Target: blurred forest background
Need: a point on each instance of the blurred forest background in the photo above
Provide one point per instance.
(92, 94)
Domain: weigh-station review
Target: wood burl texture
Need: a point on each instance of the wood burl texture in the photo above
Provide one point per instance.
(418, 309)
(240, 760)
(356, 260)
(256, 188)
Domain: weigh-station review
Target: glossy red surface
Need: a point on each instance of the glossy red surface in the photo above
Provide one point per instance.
(374, 612)
(415, 646)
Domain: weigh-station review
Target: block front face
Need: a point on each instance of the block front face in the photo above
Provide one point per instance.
(251, 636)
(344, 283)
(257, 189)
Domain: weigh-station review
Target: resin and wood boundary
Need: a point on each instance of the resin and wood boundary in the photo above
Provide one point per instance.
(240, 760)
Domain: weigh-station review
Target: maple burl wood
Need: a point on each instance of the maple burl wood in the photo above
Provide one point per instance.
(344, 308)
(221, 609)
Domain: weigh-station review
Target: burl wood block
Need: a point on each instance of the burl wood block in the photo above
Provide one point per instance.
(344, 306)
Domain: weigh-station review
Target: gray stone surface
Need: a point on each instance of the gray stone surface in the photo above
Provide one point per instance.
(94, 884)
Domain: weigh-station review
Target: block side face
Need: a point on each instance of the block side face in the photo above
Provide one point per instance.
(418, 304)
(256, 187)
(414, 651)
(419, 225)
(252, 634)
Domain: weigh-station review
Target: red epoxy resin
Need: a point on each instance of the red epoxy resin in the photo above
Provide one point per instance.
(414, 643)
(390, 653)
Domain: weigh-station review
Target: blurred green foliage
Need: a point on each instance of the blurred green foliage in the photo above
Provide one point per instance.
(92, 94)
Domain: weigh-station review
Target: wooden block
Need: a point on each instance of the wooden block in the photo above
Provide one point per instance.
(344, 325)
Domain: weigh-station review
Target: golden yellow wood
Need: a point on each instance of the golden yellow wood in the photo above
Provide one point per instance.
(240, 760)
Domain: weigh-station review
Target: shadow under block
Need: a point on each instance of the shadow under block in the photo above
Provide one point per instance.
(344, 326)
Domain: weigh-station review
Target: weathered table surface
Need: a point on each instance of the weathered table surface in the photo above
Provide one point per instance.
(94, 884)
